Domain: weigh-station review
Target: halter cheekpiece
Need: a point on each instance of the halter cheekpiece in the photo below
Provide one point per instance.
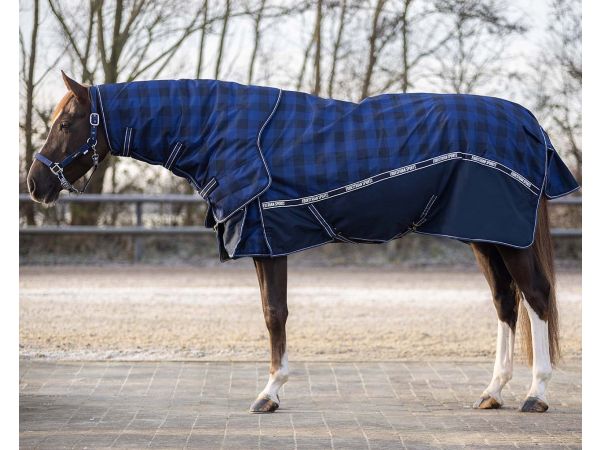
(58, 168)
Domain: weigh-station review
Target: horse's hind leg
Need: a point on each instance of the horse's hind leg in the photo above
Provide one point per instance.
(537, 284)
(505, 298)
(272, 279)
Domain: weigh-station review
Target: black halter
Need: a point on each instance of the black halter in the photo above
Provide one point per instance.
(57, 168)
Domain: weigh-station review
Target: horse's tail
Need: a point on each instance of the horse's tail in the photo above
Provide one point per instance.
(543, 251)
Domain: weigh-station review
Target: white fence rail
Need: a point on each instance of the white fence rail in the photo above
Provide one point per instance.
(139, 230)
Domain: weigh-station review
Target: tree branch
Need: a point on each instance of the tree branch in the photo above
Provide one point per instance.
(65, 28)
(171, 49)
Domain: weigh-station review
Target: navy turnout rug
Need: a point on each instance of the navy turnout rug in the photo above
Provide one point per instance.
(285, 171)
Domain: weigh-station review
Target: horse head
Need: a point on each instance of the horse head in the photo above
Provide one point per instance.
(72, 147)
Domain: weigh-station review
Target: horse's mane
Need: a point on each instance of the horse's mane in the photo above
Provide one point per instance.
(63, 102)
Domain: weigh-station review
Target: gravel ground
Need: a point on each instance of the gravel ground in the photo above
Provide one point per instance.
(200, 313)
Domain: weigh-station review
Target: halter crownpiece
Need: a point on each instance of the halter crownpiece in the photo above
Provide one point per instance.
(58, 168)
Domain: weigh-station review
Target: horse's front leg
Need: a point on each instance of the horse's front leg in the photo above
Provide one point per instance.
(272, 279)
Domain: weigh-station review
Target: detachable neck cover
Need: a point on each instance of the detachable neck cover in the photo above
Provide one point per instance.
(203, 130)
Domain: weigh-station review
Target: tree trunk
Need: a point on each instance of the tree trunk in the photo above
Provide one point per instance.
(222, 40)
(257, 22)
(372, 57)
(89, 213)
(336, 48)
(317, 88)
(29, 90)
(305, 62)
(405, 33)
(203, 34)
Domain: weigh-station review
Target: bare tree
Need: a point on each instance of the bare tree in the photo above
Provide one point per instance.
(82, 55)
(393, 23)
(475, 52)
(131, 38)
(557, 81)
(421, 37)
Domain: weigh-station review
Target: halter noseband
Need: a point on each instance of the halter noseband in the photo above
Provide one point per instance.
(58, 168)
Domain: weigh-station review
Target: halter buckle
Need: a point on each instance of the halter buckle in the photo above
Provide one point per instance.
(55, 168)
(94, 119)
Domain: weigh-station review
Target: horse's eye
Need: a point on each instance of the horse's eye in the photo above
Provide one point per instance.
(64, 125)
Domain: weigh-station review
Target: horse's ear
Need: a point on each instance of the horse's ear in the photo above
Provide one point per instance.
(80, 91)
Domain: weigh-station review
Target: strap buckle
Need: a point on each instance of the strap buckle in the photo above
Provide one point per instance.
(55, 168)
(94, 119)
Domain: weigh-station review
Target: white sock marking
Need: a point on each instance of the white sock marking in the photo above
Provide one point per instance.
(276, 380)
(503, 366)
(542, 367)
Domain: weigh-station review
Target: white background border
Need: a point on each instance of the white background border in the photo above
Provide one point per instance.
(9, 122)
(591, 264)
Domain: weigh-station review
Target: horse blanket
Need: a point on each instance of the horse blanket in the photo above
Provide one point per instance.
(285, 171)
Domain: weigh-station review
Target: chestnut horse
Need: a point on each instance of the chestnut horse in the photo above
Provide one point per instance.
(521, 280)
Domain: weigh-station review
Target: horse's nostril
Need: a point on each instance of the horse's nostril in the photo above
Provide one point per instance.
(31, 185)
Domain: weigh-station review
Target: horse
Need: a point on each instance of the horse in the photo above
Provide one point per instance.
(521, 277)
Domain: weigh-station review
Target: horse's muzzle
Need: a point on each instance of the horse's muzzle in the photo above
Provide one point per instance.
(42, 191)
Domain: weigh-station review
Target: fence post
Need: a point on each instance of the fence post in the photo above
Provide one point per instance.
(138, 243)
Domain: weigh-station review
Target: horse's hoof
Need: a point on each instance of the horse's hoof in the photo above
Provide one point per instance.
(264, 405)
(487, 402)
(533, 404)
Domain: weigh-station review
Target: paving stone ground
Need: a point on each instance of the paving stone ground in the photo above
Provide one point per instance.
(345, 405)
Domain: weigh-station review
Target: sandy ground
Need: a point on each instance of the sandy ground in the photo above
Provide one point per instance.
(146, 313)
